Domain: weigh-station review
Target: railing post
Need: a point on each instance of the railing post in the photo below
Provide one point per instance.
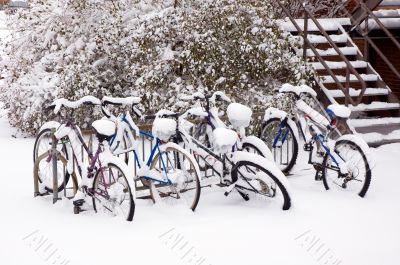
(347, 88)
(305, 33)
(366, 44)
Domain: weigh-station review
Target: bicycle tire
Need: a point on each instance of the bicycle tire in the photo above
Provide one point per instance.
(368, 174)
(37, 144)
(255, 163)
(285, 168)
(37, 168)
(127, 189)
(196, 177)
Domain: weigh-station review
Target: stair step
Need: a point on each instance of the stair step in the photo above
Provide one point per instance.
(331, 51)
(388, 22)
(357, 123)
(328, 24)
(339, 65)
(387, 13)
(375, 106)
(327, 79)
(377, 138)
(319, 39)
(337, 93)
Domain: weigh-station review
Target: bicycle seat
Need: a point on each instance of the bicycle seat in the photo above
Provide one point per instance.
(164, 128)
(298, 90)
(105, 129)
(336, 110)
(239, 115)
(225, 139)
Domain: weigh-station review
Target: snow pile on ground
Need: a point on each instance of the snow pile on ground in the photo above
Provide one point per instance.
(321, 227)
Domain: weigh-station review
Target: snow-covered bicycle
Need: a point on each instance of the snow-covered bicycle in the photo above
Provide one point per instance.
(344, 160)
(105, 179)
(220, 150)
(239, 117)
(170, 172)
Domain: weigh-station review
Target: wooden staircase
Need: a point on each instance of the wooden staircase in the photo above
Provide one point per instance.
(345, 76)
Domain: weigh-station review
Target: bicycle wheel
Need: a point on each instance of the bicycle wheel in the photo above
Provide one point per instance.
(359, 177)
(200, 133)
(286, 149)
(182, 184)
(43, 144)
(251, 175)
(43, 170)
(251, 148)
(111, 192)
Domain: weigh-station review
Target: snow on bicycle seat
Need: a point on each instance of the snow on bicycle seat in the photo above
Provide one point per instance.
(128, 101)
(224, 139)
(239, 115)
(336, 110)
(104, 128)
(298, 90)
(164, 128)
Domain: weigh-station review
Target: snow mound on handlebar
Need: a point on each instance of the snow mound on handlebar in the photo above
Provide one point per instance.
(58, 103)
(224, 140)
(298, 90)
(195, 111)
(239, 115)
(128, 101)
(164, 128)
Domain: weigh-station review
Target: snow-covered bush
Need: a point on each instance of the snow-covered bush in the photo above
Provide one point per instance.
(146, 48)
(318, 8)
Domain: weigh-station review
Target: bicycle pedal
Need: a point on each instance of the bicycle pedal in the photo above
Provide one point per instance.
(318, 176)
(78, 203)
(308, 147)
(318, 167)
(77, 209)
(244, 195)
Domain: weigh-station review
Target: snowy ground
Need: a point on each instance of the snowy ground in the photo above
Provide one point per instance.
(223, 230)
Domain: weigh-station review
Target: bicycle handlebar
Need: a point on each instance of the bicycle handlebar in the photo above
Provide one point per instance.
(198, 111)
(216, 96)
(62, 102)
(297, 90)
(128, 101)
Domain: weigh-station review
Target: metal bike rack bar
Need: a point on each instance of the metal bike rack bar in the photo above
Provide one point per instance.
(54, 165)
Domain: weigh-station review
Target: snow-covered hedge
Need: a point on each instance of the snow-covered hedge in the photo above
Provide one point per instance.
(143, 48)
(318, 8)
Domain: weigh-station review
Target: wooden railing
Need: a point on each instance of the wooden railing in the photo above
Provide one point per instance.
(307, 44)
(358, 20)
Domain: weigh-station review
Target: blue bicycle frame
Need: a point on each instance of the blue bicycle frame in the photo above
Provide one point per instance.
(319, 138)
(154, 151)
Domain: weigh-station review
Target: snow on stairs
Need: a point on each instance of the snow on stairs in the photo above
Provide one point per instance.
(377, 118)
(377, 131)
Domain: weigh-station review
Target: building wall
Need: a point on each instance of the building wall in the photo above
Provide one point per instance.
(393, 54)
(351, 5)
(4, 2)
